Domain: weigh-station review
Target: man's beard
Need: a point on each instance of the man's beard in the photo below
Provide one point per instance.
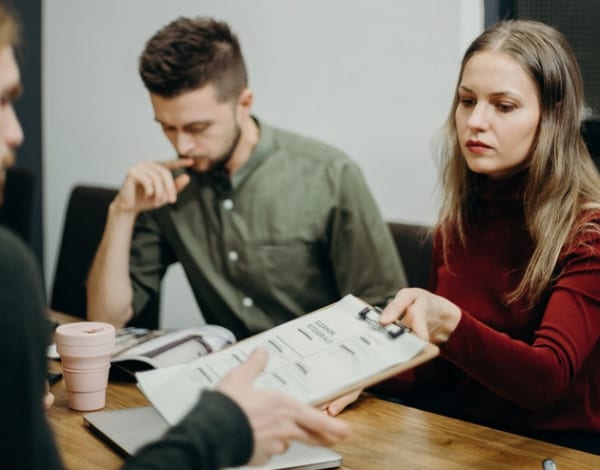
(218, 173)
(219, 164)
(2, 180)
(7, 160)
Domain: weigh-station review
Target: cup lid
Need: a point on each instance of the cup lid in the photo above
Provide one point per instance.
(85, 333)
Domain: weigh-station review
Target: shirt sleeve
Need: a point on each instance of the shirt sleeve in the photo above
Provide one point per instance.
(547, 366)
(215, 434)
(363, 252)
(150, 256)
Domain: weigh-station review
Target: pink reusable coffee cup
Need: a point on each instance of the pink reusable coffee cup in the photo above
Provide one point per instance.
(85, 349)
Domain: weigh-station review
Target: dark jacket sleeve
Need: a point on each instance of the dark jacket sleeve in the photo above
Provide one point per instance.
(215, 434)
(27, 441)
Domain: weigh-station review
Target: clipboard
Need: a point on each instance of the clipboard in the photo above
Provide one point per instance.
(314, 358)
(394, 330)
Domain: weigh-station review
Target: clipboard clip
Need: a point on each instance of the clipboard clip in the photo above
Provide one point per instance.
(371, 316)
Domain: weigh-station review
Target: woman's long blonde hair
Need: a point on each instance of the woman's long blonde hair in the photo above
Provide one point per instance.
(562, 180)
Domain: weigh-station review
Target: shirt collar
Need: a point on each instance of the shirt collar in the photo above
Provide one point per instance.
(259, 154)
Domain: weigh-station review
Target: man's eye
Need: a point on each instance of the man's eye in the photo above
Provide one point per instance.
(197, 130)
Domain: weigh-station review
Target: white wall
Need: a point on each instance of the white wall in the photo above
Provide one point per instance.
(373, 77)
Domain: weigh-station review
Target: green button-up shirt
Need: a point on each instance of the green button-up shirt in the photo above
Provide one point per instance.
(297, 230)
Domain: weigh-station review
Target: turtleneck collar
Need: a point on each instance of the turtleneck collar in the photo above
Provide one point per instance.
(510, 188)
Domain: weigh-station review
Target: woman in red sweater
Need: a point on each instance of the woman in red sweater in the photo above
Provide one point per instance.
(515, 301)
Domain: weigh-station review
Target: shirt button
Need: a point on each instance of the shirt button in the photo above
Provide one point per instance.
(228, 204)
(247, 302)
(233, 255)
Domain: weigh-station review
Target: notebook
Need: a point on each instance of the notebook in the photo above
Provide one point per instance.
(127, 430)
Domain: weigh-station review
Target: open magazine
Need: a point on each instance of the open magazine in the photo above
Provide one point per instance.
(138, 349)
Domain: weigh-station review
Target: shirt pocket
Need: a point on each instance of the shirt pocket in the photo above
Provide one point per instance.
(298, 270)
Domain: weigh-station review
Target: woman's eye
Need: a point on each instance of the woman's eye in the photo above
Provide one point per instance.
(505, 107)
(467, 102)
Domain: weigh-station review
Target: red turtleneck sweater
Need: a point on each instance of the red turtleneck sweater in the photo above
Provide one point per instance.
(525, 369)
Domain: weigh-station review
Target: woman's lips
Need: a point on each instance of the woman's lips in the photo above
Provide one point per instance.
(476, 146)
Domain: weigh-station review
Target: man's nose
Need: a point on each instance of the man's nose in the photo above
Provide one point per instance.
(184, 144)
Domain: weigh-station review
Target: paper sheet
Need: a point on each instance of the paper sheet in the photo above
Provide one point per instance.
(313, 358)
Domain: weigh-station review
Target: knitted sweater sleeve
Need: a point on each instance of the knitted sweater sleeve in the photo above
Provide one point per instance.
(215, 434)
(535, 374)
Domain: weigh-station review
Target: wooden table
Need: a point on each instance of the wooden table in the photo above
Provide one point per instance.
(385, 436)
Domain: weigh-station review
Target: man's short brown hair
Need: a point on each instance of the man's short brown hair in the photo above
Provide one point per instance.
(9, 28)
(189, 53)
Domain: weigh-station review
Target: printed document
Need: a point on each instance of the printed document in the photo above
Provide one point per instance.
(315, 358)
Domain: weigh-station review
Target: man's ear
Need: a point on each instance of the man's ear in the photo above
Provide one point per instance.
(245, 101)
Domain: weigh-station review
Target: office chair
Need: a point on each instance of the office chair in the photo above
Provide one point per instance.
(413, 243)
(590, 132)
(16, 212)
(82, 231)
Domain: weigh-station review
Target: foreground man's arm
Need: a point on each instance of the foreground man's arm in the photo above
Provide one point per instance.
(239, 424)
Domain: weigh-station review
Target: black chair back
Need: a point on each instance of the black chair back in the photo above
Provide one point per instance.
(591, 135)
(82, 231)
(413, 243)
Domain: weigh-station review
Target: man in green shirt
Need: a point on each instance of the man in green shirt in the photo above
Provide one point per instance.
(268, 225)
(234, 424)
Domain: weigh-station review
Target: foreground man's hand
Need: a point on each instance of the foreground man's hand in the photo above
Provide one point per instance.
(276, 418)
(48, 397)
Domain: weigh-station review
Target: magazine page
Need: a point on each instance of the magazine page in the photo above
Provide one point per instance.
(315, 358)
(164, 348)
